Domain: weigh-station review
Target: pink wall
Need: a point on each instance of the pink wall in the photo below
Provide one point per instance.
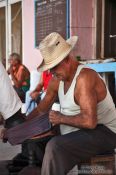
(31, 56)
(81, 25)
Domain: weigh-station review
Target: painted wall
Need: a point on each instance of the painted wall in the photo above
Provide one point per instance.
(81, 16)
(31, 55)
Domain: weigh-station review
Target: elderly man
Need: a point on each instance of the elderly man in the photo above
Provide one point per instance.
(87, 117)
(20, 75)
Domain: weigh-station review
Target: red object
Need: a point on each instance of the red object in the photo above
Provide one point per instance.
(46, 78)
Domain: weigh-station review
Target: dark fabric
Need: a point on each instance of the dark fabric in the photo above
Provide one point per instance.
(21, 160)
(28, 129)
(20, 93)
(26, 87)
(37, 147)
(63, 152)
(14, 120)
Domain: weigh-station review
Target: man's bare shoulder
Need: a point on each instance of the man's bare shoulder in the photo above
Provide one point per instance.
(53, 84)
(87, 77)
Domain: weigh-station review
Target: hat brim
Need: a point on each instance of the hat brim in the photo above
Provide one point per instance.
(72, 42)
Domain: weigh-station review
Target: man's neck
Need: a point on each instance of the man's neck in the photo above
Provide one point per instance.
(73, 68)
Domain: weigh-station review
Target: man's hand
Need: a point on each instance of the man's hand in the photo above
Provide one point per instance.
(55, 117)
(34, 95)
(10, 70)
(2, 131)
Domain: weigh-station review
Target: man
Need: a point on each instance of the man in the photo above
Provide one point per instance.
(20, 75)
(10, 104)
(87, 117)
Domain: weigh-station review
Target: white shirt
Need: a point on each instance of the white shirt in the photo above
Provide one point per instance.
(34, 79)
(106, 112)
(10, 103)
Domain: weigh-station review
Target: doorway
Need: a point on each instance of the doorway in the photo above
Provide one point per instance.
(16, 28)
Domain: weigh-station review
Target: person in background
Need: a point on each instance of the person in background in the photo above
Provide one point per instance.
(10, 109)
(10, 103)
(34, 80)
(34, 97)
(87, 115)
(19, 74)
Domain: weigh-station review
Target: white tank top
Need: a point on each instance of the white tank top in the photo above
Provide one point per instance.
(9, 100)
(106, 111)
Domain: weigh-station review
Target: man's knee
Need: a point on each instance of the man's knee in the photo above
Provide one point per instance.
(52, 146)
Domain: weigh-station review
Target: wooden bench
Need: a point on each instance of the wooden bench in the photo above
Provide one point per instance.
(99, 165)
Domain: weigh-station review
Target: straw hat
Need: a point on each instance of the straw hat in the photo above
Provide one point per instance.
(54, 49)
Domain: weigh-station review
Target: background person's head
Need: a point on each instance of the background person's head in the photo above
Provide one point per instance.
(14, 59)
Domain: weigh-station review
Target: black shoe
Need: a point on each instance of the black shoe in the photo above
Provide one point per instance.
(14, 170)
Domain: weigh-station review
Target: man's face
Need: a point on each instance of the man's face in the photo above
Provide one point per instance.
(60, 71)
(12, 61)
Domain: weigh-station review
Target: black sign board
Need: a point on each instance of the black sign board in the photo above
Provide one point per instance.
(51, 16)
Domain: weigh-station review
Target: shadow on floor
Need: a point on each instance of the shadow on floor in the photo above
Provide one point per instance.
(3, 168)
(28, 170)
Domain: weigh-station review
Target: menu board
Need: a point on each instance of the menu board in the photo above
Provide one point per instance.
(50, 16)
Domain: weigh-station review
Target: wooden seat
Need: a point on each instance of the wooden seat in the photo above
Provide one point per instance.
(100, 165)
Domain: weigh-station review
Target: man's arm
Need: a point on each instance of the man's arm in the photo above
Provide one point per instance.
(85, 96)
(47, 101)
(38, 88)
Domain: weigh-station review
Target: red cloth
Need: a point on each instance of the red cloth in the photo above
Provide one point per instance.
(46, 78)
